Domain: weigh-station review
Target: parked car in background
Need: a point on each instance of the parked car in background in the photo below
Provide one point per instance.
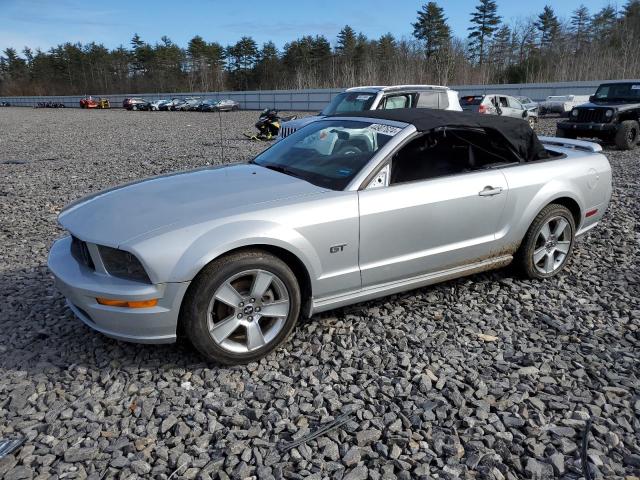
(528, 103)
(561, 104)
(157, 104)
(5, 104)
(129, 102)
(207, 105)
(170, 104)
(187, 104)
(497, 104)
(139, 105)
(381, 98)
(612, 115)
(91, 103)
(349, 209)
(227, 105)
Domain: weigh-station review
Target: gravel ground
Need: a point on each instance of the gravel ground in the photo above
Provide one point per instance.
(487, 377)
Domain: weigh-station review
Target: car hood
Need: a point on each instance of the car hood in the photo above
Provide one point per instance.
(619, 106)
(115, 216)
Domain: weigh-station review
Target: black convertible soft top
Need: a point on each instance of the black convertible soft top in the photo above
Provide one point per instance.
(517, 132)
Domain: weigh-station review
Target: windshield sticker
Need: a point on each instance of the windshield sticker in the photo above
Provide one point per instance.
(344, 172)
(362, 98)
(635, 87)
(384, 129)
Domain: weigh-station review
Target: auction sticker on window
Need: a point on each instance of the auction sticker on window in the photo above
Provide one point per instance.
(635, 87)
(384, 129)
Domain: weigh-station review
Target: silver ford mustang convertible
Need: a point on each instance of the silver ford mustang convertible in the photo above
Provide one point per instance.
(344, 210)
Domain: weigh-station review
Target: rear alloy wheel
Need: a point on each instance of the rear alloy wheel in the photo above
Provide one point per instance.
(532, 122)
(241, 307)
(627, 135)
(549, 242)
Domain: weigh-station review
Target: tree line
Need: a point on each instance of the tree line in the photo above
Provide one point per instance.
(542, 48)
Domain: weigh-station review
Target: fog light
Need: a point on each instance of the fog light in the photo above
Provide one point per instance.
(127, 303)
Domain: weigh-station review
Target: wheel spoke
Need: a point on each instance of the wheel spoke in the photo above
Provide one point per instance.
(255, 338)
(545, 232)
(561, 224)
(563, 247)
(549, 261)
(279, 308)
(221, 330)
(539, 254)
(260, 284)
(229, 295)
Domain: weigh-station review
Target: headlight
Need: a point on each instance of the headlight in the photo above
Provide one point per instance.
(122, 264)
(608, 113)
(574, 112)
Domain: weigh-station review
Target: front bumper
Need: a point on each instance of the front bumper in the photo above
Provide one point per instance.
(81, 286)
(588, 128)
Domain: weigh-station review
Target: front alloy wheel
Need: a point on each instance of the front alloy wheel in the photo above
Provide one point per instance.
(248, 311)
(241, 306)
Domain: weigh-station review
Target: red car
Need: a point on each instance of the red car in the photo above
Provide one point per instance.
(88, 102)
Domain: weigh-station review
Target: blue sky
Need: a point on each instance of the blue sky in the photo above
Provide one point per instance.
(45, 23)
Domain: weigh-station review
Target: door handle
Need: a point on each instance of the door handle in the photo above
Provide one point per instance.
(489, 191)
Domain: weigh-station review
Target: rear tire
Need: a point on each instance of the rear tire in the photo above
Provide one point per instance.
(548, 244)
(627, 135)
(223, 311)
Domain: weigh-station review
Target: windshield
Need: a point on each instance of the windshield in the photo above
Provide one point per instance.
(328, 153)
(619, 91)
(350, 102)
(473, 100)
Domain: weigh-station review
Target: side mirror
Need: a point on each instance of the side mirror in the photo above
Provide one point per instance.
(592, 98)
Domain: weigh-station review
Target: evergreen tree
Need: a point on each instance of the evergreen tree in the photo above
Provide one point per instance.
(603, 22)
(501, 48)
(580, 24)
(548, 27)
(432, 29)
(485, 20)
(347, 42)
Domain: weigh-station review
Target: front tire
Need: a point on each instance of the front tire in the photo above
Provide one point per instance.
(548, 244)
(627, 135)
(241, 307)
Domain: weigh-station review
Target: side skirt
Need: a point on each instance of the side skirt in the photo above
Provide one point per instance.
(389, 288)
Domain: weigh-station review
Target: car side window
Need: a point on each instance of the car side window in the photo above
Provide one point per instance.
(514, 103)
(429, 100)
(397, 101)
(504, 102)
(456, 151)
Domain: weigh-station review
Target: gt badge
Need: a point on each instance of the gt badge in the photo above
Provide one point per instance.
(337, 248)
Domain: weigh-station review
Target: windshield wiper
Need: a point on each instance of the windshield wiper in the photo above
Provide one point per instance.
(280, 169)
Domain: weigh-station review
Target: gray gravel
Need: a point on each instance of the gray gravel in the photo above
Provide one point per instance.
(488, 377)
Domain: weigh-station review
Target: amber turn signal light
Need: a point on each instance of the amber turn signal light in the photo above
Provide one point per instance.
(127, 303)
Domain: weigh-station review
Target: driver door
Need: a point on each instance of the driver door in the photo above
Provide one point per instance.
(428, 225)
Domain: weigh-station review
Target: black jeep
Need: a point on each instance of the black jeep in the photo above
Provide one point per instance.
(611, 115)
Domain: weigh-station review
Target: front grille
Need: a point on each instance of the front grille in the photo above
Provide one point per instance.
(286, 131)
(591, 115)
(80, 252)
